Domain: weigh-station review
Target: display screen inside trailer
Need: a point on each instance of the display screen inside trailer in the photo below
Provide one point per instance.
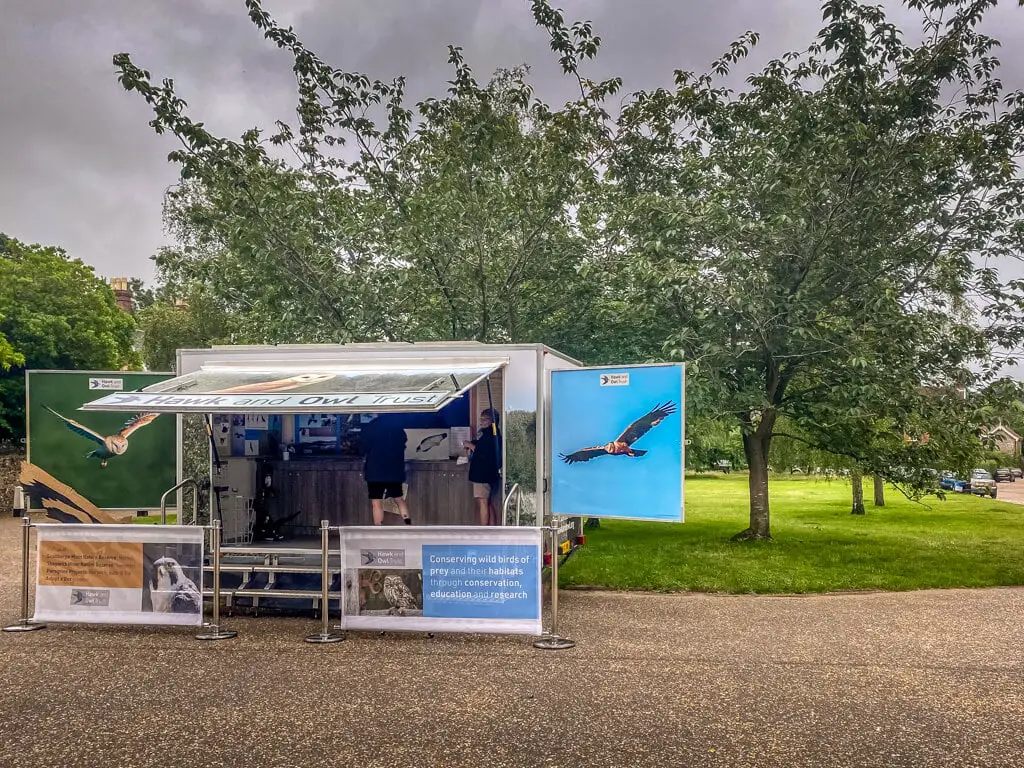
(617, 442)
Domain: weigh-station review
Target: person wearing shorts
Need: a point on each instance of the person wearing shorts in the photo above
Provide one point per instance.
(485, 468)
(383, 441)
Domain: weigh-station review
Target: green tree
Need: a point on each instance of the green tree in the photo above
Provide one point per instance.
(55, 313)
(8, 355)
(466, 222)
(168, 324)
(816, 237)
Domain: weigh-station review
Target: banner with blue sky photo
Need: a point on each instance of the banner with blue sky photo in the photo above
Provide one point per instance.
(617, 442)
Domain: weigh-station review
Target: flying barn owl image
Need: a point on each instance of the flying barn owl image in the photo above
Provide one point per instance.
(107, 446)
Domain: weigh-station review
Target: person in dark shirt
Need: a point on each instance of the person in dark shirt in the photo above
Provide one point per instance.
(485, 468)
(383, 443)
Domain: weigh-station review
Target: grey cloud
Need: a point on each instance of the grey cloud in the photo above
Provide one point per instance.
(81, 168)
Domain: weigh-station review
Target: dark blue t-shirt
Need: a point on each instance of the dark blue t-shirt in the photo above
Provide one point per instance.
(383, 444)
(485, 465)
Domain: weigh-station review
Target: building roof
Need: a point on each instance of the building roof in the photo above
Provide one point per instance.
(1005, 430)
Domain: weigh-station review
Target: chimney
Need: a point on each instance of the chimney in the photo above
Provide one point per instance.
(122, 294)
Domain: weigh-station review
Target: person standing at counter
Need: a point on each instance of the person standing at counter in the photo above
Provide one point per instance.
(383, 443)
(485, 467)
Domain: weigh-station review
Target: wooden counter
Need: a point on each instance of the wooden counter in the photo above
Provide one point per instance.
(333, 489)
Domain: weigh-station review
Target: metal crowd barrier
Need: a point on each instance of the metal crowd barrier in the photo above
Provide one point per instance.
(214, 631)
(325, 635)
(549, 640)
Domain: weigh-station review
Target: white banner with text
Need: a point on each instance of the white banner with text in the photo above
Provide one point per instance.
(442, 579)
(119, 574)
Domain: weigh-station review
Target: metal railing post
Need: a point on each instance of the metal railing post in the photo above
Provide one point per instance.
(215, 632)
(552, 641)
(325, 635)
(514, 492)
(25, 624)
(181, 512)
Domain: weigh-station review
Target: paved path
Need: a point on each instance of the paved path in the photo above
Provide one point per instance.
(926, 678)
(1011, 492)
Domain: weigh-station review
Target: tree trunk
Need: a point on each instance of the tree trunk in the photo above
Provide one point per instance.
(755, 448)
(879, 491)
(858, 492)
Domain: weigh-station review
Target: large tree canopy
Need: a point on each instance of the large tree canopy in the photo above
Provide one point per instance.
(55, 313)
(817, 237)
(457, 217)
(811, 244)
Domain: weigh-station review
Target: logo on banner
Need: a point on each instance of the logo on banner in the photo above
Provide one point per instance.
(614, 379)
(90, 597)
(226, 403)
(382, 558)
(115, 384)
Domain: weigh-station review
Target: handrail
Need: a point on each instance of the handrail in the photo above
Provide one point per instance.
(517, 492)
(181, 516)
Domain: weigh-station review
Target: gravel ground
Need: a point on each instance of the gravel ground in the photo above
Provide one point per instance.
(926, 678)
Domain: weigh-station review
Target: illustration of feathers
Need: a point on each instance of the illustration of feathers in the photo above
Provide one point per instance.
(430, 442)
(62, 502)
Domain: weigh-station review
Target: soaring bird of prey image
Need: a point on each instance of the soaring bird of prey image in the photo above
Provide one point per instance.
(623, 444)
(431, 441)
(171, 590)
(112, 445)
(399, 596)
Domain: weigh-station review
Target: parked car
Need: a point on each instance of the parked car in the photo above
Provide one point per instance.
(948, 482)
(1016, 472)
(1004, 475)
(981, 483)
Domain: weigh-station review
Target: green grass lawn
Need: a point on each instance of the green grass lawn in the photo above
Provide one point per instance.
(819, 546)
(172, 519)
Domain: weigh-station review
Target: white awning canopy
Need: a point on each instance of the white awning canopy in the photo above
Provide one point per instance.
(297, 386)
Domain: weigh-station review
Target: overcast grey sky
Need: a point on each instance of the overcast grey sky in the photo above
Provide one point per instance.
(80, 167)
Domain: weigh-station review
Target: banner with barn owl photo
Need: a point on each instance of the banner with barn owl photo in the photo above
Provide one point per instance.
(119, 574)
(442, 579)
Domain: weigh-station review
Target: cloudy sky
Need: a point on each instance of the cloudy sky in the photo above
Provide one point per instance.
(80, 168)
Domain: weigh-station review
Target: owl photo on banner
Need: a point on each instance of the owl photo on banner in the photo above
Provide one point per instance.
(399, 596)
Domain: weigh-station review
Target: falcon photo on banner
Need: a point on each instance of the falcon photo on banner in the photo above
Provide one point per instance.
(119, 574)
(617, 437)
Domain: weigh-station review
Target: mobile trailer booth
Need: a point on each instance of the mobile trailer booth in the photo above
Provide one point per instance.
(288, 418)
